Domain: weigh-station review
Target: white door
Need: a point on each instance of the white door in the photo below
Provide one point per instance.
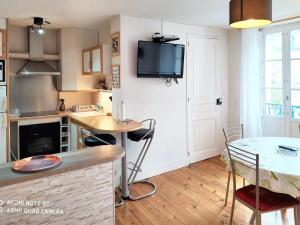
(203, 122)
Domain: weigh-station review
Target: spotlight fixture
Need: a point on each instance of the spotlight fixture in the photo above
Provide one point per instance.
(40, 30)
(250, 13)
(38, 23)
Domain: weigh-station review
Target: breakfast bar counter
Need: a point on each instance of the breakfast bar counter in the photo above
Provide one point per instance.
(107, 124)
(79, 191)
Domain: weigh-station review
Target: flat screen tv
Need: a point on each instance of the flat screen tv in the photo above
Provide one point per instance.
(160, 60)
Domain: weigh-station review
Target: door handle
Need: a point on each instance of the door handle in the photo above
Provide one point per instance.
(219, 101)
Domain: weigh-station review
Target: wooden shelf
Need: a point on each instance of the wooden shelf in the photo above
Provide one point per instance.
(25, 55)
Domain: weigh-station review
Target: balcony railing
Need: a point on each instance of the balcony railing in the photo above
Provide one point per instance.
(278, 110)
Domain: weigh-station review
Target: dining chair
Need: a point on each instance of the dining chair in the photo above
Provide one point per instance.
(259, 199)
(232, 133)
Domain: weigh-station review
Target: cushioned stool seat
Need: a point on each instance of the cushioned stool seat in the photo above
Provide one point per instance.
(91, 141)
(138, 134)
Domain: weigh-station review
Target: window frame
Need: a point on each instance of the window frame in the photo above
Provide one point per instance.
(286, 60)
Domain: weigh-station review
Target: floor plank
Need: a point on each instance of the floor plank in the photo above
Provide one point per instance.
(191, 196)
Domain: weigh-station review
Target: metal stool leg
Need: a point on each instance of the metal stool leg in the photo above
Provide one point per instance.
(137, 168)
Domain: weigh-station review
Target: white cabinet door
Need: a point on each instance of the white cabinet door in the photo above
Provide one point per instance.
(3, 126)
(203, 119)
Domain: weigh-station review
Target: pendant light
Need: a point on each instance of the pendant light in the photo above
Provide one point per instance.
(250, 13)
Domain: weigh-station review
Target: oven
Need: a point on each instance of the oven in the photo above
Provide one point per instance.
(39, 139)
(2, 73)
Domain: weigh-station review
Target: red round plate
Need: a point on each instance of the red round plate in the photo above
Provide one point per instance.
(37, 163)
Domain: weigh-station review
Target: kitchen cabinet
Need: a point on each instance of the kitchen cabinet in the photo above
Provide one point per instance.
(3, 44)
(95, 60)
(72, 43)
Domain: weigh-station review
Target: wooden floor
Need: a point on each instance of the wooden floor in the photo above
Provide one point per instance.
(191, 195)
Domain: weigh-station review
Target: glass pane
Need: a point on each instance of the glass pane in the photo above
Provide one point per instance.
(295, 104)
(295, 44)
(96, 65)
(273, 74)
(273, 46)
(295, 74)
(274, 106)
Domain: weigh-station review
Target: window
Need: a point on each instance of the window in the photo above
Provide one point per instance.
(295, 73)
(282, 73)
(273, 75)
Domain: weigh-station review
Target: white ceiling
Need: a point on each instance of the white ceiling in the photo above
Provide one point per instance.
(91, 13)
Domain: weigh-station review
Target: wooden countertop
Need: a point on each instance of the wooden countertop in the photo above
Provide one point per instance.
(106, 124)
(71, 161)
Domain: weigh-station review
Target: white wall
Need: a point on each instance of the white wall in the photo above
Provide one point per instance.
(150, 98)
(234, 75)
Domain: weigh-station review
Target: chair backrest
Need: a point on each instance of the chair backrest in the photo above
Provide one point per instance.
(247, 159)
(84, 133)
(233, 132)
(152, 123)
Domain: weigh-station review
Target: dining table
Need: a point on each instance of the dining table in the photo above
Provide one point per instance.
(107, 124)
(279, 170)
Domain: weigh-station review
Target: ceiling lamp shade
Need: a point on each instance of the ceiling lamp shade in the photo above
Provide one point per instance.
(250, 13)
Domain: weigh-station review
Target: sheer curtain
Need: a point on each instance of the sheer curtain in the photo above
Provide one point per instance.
(251, 82)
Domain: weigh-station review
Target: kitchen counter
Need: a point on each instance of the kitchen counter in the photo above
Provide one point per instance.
(79, 191)
(71, 161)
(105, 124)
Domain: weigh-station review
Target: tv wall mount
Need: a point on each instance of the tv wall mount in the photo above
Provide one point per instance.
(160, 38)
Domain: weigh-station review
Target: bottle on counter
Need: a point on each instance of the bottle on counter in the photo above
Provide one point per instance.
(62, 106)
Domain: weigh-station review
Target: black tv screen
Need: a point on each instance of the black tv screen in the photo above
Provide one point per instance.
(160, 60)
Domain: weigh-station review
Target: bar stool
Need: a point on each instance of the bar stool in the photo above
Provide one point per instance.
(92, 139)
(144, 134)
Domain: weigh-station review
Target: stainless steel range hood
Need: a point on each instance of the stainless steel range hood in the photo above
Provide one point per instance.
(36, 65)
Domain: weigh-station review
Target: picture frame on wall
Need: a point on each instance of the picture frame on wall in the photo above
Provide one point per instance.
(115, 40)
(116, 76)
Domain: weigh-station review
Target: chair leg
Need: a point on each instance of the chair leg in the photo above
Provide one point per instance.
(296, 215)
(232, 211)
(258, 218)
(252, 218)
(227, 188)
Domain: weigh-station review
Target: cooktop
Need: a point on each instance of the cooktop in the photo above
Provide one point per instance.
(41, 113)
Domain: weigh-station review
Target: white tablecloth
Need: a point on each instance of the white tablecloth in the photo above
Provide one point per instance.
(278, 172)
